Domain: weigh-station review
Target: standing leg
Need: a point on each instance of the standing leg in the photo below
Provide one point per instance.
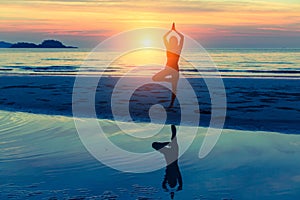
(174, 82)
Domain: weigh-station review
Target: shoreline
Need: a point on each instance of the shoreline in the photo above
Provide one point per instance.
(115, 76)
(70, 117)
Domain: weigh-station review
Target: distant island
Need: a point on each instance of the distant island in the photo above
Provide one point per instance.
(44, 44)
(5, 44)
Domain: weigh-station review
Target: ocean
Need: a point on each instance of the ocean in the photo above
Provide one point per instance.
(46, 154)
(272, 63)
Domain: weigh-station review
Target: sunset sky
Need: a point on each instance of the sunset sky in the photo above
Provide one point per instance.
(214, 23)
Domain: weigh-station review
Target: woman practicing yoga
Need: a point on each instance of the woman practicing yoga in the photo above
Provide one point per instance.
(171, 72)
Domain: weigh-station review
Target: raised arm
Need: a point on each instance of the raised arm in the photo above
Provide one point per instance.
(179, 181)
(164, 183)
(165, 38)
(181, 39)
(166, 35)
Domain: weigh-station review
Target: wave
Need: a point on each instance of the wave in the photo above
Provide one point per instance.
(244, 71)
(71, 59)
(267, 62)
(53, 68)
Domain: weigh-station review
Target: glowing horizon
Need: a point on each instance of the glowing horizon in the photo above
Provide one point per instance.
(213, 22)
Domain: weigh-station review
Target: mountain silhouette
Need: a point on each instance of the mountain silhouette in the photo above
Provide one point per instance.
(44, 44)
(5, 44)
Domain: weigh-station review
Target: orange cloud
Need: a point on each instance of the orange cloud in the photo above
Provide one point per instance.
(103, 18)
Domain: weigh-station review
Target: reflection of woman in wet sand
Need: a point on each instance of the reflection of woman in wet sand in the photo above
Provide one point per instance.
(170, 152)
(171, 71)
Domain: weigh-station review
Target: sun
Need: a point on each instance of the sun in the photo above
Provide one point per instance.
(147, 42)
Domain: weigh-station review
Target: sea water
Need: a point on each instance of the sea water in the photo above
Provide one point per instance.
(230, 62)
(42, 156)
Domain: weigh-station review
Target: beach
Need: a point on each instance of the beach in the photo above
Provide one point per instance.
(42, 156)
(263, 104)
(150, 100)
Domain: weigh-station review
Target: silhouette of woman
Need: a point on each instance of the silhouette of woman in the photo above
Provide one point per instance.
(171, 72)
(170, 152)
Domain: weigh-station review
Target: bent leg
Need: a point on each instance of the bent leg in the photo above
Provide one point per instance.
(162, 76)
(159, 145)
(173, 79)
